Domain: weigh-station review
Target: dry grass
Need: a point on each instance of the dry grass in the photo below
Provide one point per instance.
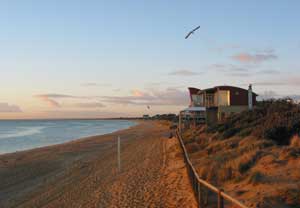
(290, 196)
(192, 147)
(295, 141)
(256, 178)
(252, 152)
(276, 120)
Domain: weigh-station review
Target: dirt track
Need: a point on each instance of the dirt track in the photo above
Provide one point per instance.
(84, 174)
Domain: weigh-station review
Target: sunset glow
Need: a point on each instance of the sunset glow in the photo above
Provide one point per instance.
(65, 59)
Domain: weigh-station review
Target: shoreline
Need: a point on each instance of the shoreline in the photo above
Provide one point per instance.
(84, 172)
(67, 119)
(136, 122)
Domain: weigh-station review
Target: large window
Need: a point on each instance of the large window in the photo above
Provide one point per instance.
(224, 98)
(197, 100)
(209, 100)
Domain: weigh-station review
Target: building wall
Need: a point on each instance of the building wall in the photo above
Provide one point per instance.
(225, 96)
(238, 96)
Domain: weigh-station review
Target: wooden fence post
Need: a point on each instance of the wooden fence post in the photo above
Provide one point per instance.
(206, 197)
(220, 199)
(193, 181)
(201, 188)
(200, 197)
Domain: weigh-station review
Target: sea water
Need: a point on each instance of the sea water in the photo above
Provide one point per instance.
(20, 135)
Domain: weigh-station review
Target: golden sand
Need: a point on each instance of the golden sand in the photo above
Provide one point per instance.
(83, 173)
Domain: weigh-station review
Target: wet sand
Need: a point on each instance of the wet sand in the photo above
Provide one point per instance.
(83, 173)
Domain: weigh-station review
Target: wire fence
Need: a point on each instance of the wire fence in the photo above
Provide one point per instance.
(207, 194)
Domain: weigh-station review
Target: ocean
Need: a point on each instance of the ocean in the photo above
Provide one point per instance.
(20, 135)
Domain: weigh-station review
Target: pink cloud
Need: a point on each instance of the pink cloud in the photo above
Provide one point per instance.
(170, 96)
(90, 105)
(183, 72)
(254, 58)
(137, 93)
(48, 100)
(6, 108)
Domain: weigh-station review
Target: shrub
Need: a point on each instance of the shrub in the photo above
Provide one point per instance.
(230, 132)
(248, 160)
(245, 132)
(213, 128)
(244, 166)
(279, 134)
(276, 120)
(295, 141)
(226, 174)
(289, 152)
(192, 147)
(256, 178)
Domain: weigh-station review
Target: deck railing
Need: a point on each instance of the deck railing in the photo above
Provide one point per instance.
(202, 188)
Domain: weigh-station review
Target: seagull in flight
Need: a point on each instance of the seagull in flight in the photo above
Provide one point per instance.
(192, 32)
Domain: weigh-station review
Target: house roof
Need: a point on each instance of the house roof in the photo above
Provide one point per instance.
(221, 87)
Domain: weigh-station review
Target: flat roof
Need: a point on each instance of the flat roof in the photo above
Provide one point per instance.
(221, 87)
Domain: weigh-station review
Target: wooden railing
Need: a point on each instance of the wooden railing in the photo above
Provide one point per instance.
(201, 187)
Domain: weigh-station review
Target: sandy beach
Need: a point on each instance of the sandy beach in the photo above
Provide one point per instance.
(83, 173)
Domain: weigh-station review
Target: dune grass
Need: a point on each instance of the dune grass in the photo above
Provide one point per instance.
(256, 148)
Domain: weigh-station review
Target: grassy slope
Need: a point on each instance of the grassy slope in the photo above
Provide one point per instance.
(255, 156)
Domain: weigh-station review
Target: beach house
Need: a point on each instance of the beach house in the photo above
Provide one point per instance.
(215, 104)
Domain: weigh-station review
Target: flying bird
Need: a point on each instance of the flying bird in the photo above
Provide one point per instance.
(192, 32)
(148, 107)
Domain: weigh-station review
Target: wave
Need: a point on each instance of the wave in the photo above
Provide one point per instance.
(23, 131)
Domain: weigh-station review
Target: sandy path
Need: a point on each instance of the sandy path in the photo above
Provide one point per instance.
(84, 174)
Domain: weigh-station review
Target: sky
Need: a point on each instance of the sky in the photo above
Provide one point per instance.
(90, 59)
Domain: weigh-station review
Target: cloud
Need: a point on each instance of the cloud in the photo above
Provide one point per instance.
(294, 80)
(53, 95)
(218, 66)
(273, 95)
(239, 74)
(183, 72)
(255, 58)
(245, 70)
(269, 71)
(50, 98)
(57, 114)
(267, 95)
(170, 96)
(90, 105)
(242, 72)
(6, 108)
(231, 70)
(269, 83)
(138, 93)
(228, 68)
(289, 81)
(94, 84)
